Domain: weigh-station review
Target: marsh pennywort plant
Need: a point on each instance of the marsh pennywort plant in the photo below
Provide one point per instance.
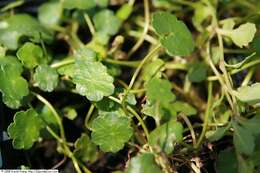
(157, 80)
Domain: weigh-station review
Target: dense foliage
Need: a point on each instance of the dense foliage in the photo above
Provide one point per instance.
(131, 86)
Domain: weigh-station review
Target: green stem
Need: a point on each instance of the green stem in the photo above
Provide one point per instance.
(54, 112)
(206, 116)
(133, 64)
(63, 63)
(190, 127)
(137, 71)
(146, 27)
(90, 111)
(132, 111)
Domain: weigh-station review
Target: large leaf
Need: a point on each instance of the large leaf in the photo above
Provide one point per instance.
(243, 140)
(46, 78)
(30, 55)
(25, 129)
(111, 131)
(143, 163)
(85, 150)
(92, 80)
(106, 22)
(249, 94)
(159, 90)
(15, 26)
(174, 34)
(13, 86)
(166, 136)
(50, 13)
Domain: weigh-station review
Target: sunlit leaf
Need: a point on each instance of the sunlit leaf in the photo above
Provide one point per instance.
(166, 136)
(30, 55)
(143, 163)
(174, 34)
(111, 131)
(12, 86)
(46, 78)
(249, 94)
(50, 13)
(25, 129)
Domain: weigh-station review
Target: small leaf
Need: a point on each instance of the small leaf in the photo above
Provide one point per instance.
(152, 69)
(111, 131)
(106, 22)
(174, 34)
(143, 163)
(249, 94)
(85, 150)
(79, 4)
(46, 78)
(25, 129)
(13, 86)
(159, 90)
(242, 35)
(30, 55)
(166, 135)
(243, 140)
(197, 72)
(217, 134)
(92, 80)
(15, 26)
(226, 162)
(184, 107)
(50, 13)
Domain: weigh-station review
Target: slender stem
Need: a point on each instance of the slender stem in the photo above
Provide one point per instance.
(63, 63)
(137, 71)
(132, 111)
(147, 37)
(187, 121)
(248, 77)
(146, 27)
(90, 24)
(55, 114)
(206, 116)
(90, 111)
(235, 71)
(123, 63)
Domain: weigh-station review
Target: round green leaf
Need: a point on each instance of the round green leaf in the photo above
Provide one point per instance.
(85, 150)
(143, 163)
(111, 131)
(30, 55)
(174, 34)
(50, 13)
(159, 90)
(13, 86)
(106, 22)
(166, 136)
(46, 78)
(197, 72)
(25, 129)
(92, 80)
